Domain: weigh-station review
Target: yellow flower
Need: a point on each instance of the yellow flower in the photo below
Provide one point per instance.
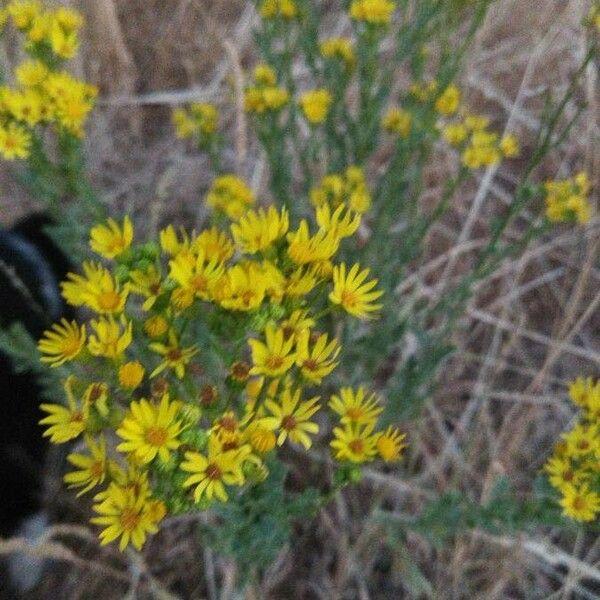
(174, 357)
(65, 423)
(25, 106)
(278, 8)
(359, 198)
(15, 141)
(338, 47)
(296, 323)
(449, 101)
(231, 195)
(111, 338)
(62, 343)
(23, 12)
(150, 429)
(156, 326)
(92, 468)
(96, 395)
(257, 230)
(129, 513)
(261, 438)
(170, 243)
(455, 133)
(315, 105)
(354, 443)
(96, 289)
(64, 43)
(196, 274)
(242, 288)
(567, 200)
(274, 357)
(265, 75)
(476, 122)
(582, 440)
(352, 294)
(205, 116)
(211, 473)
(482, 150)
(580, 390)
(300, 282)
(561, 472)
(292, 417)
(131, 375)
(509, 146)
(185, 127)
(340, 224)
(68, 19)
(390, 444)
(146, 283)
(355, 407)
(31, 73)
(579, 502)
(375, 12)
(215, 244)
(269, 98)
(319, 361)
(304, 249)
(111, 240)
(398, 121)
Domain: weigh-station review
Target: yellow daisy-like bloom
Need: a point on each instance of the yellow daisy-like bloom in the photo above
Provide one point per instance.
(65, 423)
(96, 396)
(92, 468)
(243, 287)
(567, 200)
(278, 8)
(257, 230)
(156, 326)
(68, 19)
(304, 248)
(397, 121)
(129, 513)
(338, 47)
(146, 283)
(375, 12)
(15, 141)
(357, 191)
(170, 242)
(261, 438)
(96, 288)
(64, 43)
(581, 389)
(111, 337)
(265, 75)
(561, 472)
(390, 444)
(259, 100)
(184, 124)
(340, 224)
(455, 133)
(448, 103)
(23, 12)
(315, 105)
(31, 73)
(582, 440)
(205, 116)
(110, 239)
(352, 294)
(25, 106)
(297, 322)
(292, 417)
(579, 502)
(131, 375)
(174, 357)
(149, 430)
(196, 275)
(319, 361)
(210, 474)
(354, 443)
(355, 407)
(509, 146)
(231, 195)
(215, 244)
(482, 150)
(62, 343)
(300, 282)
(275, 356)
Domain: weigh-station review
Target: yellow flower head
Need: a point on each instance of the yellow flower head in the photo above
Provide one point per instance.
(341, 223)
(231, 195)
(23, 12)
(315, 105)
(265, 75)
(215, 244)
(205, 116)
(110, 239)
(291, 417)
(65, 423)
(397, 121)
(375, 12)
(257, 230)
(129, 513)
(64, 43)
(275, 355)
(92, 468)
(31, 73)
(355, 407)
(62, 343)
(149, 429)
(211, 473)
(580, 502)
(340, 48)
(96, 396)
(156, 326)
(567, 200)
(455, 133)
(174, 356)
(319, 361)
(509, 146)
(111, 338)
(562, 472)
(131, 375)
(195, 274)
(354, 443)
(448, 103)
(15, 141)
(390, 444)
(304, 248)
(352, 293)
(270, 9)
(243, 287)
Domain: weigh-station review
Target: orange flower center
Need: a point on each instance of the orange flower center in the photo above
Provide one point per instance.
(349, 298)
(311, 364)
(274, 362)
(70, 346)
(289, 422)
(357, 446)
(157, 436)
(109, 301)
(354, 413)
(96, 469)
(129, 519)
(174, 355)
(228, 423)
(579, 503)
(213, 472)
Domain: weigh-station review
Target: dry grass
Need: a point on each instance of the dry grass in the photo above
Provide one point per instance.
(533, 325)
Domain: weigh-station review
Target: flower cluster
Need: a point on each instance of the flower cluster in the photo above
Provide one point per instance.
(347, 190)
(203, 355)
(373, 12)
(271, 9)
(43, 93)
(200, 121)
(315, 105)
(339, 48)
(265, 95)
(574, 468)
(568, 200)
